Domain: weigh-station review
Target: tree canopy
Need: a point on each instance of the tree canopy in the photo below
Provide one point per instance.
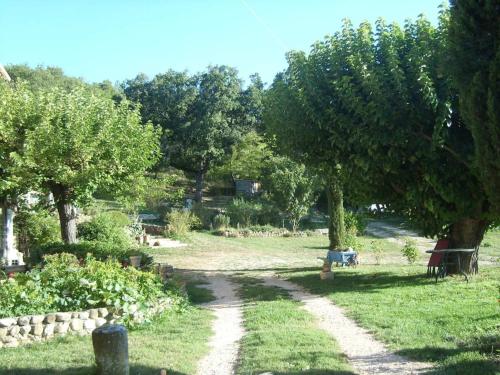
(379, 102)
(474, 62)
(71, 142)
(202, 115)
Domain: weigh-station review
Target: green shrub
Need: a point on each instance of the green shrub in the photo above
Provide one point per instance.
(376, 249)
(354, 223)
(107, 227)
(180, 222)
(243, 212)
(160, 192)
(36, 228)
(205, 216)
(410, 250)
(352, 241)
(64, 284)
(99, 250)
(221, 221)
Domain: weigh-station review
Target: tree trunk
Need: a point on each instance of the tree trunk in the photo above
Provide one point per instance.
(67, 213)
(467, 234)
(9, 252)
(336, 226)
(200, 178)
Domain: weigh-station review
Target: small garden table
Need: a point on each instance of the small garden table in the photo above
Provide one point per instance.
(447, 254)
(342, 257)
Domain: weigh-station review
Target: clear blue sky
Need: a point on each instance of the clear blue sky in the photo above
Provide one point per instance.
(116, 39)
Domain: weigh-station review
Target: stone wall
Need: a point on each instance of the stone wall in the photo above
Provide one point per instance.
(34, 328)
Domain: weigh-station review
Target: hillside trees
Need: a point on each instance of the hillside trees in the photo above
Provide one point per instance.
(380, 104)
(202, 116)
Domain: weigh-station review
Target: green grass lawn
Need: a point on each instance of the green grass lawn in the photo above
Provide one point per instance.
(453, 323)
(282, 338)
(176, 342)
(490, 247)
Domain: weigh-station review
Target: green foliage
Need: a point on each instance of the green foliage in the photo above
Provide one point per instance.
(43, 78)
(355, 223)
(154, 193)
(63, 284)
(73, 147)
(221, 221)
(17, 116)
(99, 250)
(204, 215)
(202, 116)
(410, 250)
(376, 249)
(247, 212)
(247, 159)
(474, 62)
(243, 212)
(351, 240)
(378, 102)
(107, 227)
(36, 227)
(180, 222)
(291, 187)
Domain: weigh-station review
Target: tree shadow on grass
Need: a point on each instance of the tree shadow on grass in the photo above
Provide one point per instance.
(456, 361)
(88, 370)
(314, 372)
(349, 282)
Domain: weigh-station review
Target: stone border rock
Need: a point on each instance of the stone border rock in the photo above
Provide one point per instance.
(34, 328)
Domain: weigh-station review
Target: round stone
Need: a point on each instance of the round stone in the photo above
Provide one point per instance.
(24, 320)
(63, 317)
(50, 318)
(36, 319)
(76, 324)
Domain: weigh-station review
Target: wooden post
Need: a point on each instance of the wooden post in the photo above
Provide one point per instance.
(111, 350)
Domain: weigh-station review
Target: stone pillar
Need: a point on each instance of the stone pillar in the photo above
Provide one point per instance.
(111, 350)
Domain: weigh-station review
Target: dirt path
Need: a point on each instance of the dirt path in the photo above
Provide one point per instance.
(227, 327)
(397, 234)
(366, 355)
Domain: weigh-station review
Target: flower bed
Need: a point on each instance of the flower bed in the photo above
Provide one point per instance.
(45, 299)
(261, 231)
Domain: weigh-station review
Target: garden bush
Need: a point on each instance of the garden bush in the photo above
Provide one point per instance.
(354, 223)
(247, 212)
(110, 226)
(180, 222)
(65, 284)
(36, 228)
(410, 250)
(221, 221)
(243, 212)
(99, 250)
(205, 216)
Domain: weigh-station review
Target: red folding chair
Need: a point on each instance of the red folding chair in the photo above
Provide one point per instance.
(436, 258)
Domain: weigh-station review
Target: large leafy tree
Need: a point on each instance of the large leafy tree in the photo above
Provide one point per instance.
(380, 104)
(287, 121)
(474, 61)
(17, 116)
(202, 116)
(83, 141)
